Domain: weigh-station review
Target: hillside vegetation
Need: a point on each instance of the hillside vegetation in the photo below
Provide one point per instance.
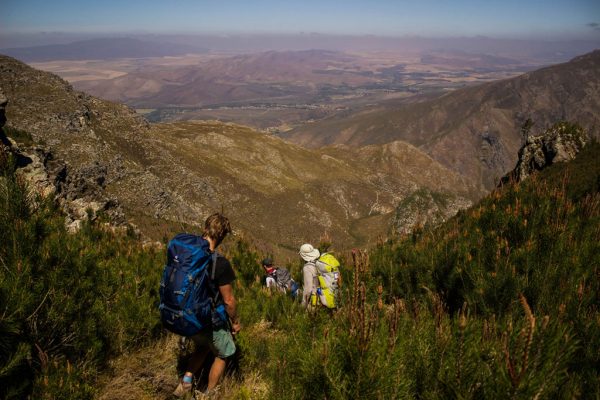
(68, 302)
(500, 302)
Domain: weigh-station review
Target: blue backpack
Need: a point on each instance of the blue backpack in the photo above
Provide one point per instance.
(188, 298)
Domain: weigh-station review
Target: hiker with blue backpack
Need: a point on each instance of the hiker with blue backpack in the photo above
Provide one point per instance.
(321, 278)
(197, 299)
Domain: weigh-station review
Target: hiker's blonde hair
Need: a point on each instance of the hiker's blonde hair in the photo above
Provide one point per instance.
(216, 227)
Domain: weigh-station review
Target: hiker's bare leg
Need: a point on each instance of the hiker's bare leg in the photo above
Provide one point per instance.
(216, 372)
(194, 363)
(196, 360)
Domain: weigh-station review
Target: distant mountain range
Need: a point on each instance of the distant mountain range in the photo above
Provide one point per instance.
(315, 77)
(475, 131)
(101, 49)
(543, 51)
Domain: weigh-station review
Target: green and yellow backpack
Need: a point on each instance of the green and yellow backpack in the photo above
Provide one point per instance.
(328, 269)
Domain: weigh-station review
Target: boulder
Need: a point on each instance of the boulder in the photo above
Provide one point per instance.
(425, 208)
(560, 143)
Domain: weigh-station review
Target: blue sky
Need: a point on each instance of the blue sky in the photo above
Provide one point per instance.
(508, 18)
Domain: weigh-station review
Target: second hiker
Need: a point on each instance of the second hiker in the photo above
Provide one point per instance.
(279, 278)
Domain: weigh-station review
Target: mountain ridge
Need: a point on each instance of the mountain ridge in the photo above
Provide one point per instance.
(260, 77)
(100, 49)
(481, 123)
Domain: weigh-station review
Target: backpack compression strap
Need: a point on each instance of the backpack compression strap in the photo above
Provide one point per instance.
(214, 265)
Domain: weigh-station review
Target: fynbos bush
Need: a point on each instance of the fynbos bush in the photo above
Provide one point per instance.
(69, 302)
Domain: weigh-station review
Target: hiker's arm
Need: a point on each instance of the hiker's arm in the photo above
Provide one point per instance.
(230, 306)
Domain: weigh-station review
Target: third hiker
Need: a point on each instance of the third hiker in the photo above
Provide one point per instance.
(321, 278)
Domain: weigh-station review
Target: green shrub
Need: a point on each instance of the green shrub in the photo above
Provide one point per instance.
(69, 302)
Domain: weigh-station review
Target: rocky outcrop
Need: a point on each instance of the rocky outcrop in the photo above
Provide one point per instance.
(560, 143)
(425, 208)
(80, 192)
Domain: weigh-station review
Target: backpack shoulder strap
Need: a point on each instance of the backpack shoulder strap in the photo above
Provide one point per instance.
(215, 255)
(319, 273)
(212, 284)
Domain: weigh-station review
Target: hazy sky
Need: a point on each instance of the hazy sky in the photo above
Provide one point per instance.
(507, 18)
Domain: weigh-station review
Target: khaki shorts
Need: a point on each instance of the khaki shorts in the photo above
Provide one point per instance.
(220, 342)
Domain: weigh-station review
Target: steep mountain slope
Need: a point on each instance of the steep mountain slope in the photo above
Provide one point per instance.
(474, 131)
(167, 175)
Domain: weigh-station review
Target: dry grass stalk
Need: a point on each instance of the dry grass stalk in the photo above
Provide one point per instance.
(530, 331)
(489, 328)
(325, 241)
(439, 311)
(591, 205)
(580, 290)
(393, 320)
(361, 315)
(462, 325)
(524, 341)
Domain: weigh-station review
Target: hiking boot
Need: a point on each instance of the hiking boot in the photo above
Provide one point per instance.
(184, 388)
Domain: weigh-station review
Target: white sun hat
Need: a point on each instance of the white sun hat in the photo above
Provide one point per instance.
(308, 252)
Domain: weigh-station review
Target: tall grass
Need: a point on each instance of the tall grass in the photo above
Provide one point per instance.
(68, 303)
